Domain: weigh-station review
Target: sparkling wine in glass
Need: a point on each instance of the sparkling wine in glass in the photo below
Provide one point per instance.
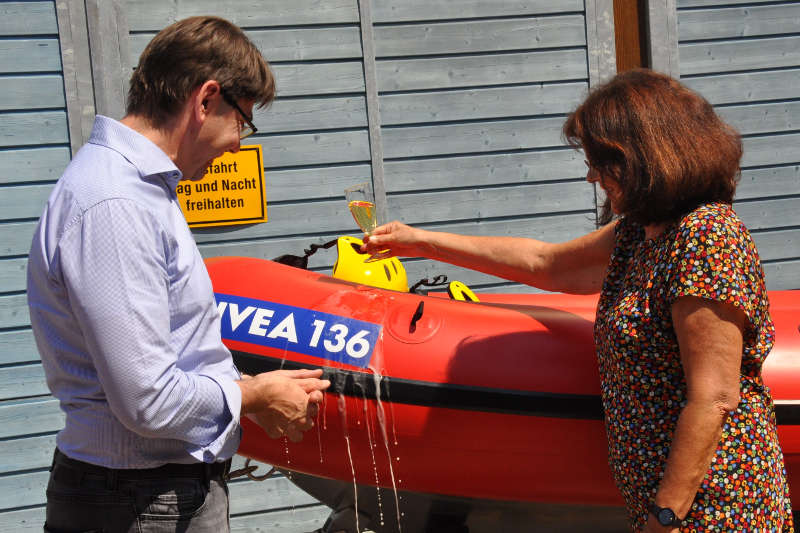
(364, 213)
(361, 202)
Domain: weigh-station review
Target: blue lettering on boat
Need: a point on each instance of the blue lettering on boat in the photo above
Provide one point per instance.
(297, 329)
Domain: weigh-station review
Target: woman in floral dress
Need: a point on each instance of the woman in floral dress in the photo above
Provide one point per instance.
(683, 324)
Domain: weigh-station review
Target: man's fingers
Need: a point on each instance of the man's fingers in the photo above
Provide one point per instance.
(273, 431)
(305, 423)
(302, 373)
(315, 397)
(294, 434)
(313, 384)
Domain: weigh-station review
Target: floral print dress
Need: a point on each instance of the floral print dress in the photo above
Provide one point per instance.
(707, 254)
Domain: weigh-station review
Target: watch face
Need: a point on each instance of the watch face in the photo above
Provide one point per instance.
(666, 517)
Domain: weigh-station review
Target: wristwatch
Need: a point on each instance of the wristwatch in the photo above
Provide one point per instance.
(665, 516)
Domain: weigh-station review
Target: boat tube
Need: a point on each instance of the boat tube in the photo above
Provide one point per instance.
(449, 410)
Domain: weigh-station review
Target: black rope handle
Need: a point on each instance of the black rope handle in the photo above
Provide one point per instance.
(302, 261)
(312, 249)
(437, 281)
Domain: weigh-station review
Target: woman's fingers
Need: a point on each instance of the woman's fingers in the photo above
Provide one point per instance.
(395, 236)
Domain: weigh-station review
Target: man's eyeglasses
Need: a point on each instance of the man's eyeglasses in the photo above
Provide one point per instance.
(247, 128)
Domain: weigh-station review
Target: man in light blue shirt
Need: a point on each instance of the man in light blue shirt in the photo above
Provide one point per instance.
(123, 309)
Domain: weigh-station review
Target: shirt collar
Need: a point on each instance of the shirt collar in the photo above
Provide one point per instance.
(141, 152)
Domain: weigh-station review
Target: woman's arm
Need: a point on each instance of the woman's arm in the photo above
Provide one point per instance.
(710, 338)
(577, 266)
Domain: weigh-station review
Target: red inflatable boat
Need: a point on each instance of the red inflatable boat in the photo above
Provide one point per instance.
(458, 406)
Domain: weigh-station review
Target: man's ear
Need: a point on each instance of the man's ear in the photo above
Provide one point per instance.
(205, 99)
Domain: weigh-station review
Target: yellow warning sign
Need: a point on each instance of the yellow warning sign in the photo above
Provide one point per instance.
(230, 192)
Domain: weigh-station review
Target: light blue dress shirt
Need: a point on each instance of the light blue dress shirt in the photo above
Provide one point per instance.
(124, 314)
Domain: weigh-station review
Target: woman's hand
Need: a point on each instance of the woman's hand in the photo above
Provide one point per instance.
(399, 239)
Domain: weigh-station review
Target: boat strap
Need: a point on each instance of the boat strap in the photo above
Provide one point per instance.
(437, 281)
(302, 261)
(248, 470)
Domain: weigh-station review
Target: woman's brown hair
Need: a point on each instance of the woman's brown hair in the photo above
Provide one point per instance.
(184, 55)
(661, 142)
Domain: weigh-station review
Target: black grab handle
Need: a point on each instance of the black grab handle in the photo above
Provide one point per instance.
(417, 315)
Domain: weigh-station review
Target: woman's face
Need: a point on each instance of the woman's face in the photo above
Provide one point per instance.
(609, 185)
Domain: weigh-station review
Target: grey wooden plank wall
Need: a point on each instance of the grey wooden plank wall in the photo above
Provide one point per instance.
(314, 136)
(472, 98)
(34, 148)
(744, 57)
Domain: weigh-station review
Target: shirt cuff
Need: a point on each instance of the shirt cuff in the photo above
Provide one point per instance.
(224, 446)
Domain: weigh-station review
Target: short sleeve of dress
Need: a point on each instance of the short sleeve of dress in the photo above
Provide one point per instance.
(714, 257)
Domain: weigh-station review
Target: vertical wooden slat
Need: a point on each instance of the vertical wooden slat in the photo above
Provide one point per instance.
(600, 43)
(373, 109)
(75, 60)
(603, 55)
(108, 40)
(662, 27)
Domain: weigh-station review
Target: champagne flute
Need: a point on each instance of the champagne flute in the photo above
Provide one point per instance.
(361, 202)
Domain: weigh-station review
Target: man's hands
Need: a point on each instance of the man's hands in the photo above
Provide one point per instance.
(283, 402)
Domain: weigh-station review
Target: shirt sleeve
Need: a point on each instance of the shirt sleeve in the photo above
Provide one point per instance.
(712, 258)
(114, 266)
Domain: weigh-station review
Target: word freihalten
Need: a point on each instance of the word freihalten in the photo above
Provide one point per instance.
(224, 202)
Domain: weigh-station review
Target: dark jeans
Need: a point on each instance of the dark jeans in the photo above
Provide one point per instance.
(85, 498)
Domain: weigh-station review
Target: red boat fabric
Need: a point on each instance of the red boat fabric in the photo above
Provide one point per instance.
(497, 400)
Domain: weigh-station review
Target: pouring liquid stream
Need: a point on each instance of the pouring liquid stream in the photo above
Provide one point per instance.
(342, 404)
(371, 444)
(381, 416)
